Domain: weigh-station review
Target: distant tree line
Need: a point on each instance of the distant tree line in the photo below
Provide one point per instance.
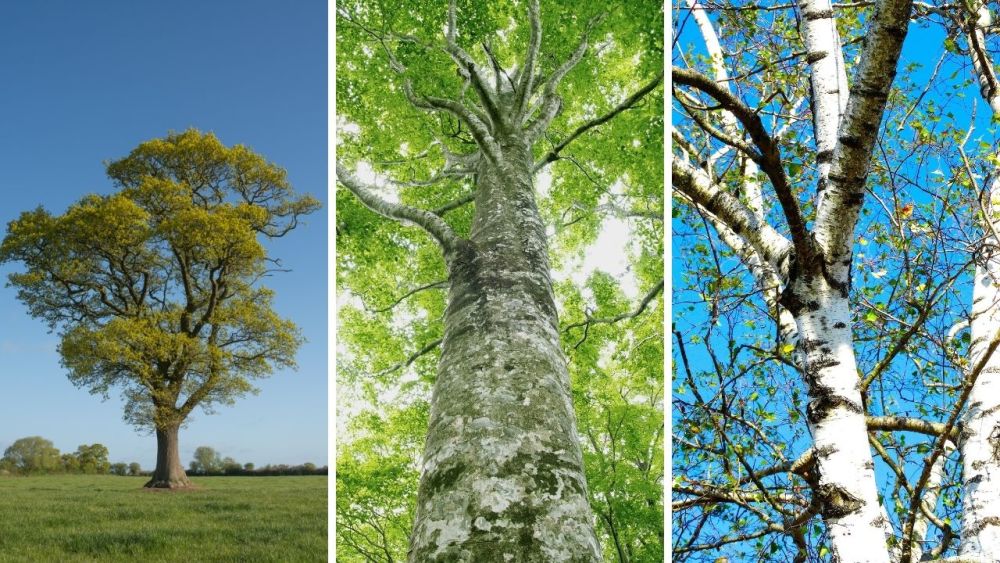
(208, 462)
(35, 455)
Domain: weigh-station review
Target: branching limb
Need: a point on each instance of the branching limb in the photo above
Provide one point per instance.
(468, 67)
(464, 200)
(840, 202)
(480, 131)
(524, 84)
(771, 162)
(627, 104)
(434, 285)
(586, 324)
(430, 347)
(550, 103)
(696, 185)
(427, 220)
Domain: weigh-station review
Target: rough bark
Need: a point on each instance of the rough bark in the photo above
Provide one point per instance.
(502, 477)
(169, 473)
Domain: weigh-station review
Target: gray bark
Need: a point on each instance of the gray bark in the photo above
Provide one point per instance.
(502, 477)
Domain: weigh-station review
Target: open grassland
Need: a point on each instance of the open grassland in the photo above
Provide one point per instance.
(110, 518)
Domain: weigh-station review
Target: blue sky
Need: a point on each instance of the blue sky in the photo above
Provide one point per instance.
(85, 82)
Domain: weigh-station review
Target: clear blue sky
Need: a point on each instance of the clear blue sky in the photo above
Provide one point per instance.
(85, 82)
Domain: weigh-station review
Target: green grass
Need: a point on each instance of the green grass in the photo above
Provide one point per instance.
(109, 518)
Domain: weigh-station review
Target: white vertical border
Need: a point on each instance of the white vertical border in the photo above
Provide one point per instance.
(668, 295)
(331, 279)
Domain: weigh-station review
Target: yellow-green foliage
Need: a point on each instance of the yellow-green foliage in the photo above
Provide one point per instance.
(153, 289)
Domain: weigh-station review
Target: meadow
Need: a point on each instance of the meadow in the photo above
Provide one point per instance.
(111, 518)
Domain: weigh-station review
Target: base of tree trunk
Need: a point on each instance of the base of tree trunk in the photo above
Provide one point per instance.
(155, 483)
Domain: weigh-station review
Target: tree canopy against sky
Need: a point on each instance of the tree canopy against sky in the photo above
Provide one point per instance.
(513, 133)
(155, 290)
(856, 422)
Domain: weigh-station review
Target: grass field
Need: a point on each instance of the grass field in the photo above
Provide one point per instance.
(110, 518)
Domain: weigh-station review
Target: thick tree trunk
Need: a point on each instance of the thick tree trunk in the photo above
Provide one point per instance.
(502, 477)
(846, 488)
(169, 473)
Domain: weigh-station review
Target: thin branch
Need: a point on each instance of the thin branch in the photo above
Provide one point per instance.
(628, 103)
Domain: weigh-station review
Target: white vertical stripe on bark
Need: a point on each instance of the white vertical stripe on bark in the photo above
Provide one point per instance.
(981, 435)
(828, 76)
(980, 443)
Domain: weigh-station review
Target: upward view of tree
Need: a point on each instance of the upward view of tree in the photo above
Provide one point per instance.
(836, 382)
(155, 289)
(509, 134)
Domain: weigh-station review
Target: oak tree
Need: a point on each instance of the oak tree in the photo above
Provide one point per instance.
(155, 289)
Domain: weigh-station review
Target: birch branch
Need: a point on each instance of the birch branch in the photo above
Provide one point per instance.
(840, 202)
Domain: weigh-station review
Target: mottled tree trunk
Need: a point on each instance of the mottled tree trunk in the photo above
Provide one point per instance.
(169, 473)
(502, 477)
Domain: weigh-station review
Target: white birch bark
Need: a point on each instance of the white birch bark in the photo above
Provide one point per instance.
(828, 78)
(980, 443)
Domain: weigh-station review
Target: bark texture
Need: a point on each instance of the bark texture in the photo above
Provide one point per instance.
(169, 473)
(502, 477)
(980, 441)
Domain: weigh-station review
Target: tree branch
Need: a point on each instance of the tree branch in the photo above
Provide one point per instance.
(696, 185)
(427, 220)
(628, 103)
(650, 295)
(550, 101)
(771, 163)
(840, 201)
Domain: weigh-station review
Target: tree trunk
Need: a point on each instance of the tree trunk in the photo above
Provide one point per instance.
(502, 476)
(169, 473)
(980, 440)
(847, 492)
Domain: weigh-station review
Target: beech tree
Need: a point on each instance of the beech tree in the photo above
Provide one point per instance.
(449, 115)
(856, 422)
(155, 289)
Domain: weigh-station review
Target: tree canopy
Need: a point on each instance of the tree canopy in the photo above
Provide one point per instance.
(155, 289)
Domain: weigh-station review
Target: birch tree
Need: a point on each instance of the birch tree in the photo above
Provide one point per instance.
(449, 115)
(923, 316)
(805, 259)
